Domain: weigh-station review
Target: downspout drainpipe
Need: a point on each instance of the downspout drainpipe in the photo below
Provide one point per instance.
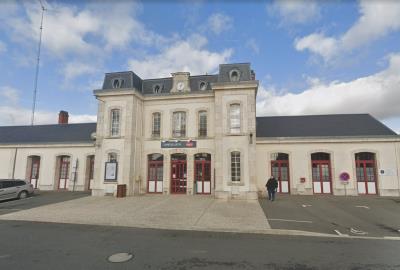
(15, 161)
(398, 168)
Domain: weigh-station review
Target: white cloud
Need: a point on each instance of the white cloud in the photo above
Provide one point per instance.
(76, 69)
(377, 94)
(295, 11)
(9, 94)
(253, 45)
(3, 47)
(317, 43)
(184, 55)
(219, 22)
(377, 19)
(88, 30)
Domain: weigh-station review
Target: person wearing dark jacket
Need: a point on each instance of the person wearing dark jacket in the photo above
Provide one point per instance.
(272, 186)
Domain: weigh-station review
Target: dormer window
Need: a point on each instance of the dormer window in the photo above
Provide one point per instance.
(118, 83)
(203, 86)
(156, 89)
(234, 75)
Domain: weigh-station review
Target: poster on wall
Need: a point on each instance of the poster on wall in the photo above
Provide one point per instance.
(111, 170)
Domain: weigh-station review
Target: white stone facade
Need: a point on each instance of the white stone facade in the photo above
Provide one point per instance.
(131, 142)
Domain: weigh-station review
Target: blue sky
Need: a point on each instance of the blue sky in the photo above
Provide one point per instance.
(311, 57)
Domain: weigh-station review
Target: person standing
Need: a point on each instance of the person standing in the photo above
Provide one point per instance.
(272, 186)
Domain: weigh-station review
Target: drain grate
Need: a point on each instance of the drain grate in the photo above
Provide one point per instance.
(120, 257)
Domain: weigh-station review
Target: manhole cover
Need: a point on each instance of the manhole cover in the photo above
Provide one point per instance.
(120, 257)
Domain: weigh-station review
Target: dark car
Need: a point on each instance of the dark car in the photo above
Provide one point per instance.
(14, 188)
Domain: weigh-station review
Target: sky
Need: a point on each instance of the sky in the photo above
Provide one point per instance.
(310, 57)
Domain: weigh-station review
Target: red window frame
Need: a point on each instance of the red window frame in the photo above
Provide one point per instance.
(204, 177)
(153, 165)
(64, 160)
(91, 171)
(319, 163)
(179, 182)
(279, 163)
(363, 164)
(35, 160)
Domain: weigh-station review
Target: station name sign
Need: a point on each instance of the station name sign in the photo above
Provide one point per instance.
(178, 144)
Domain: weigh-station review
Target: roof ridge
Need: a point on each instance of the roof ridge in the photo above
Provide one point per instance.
(47, 125)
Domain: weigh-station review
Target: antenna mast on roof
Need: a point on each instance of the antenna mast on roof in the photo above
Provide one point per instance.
(37, 65)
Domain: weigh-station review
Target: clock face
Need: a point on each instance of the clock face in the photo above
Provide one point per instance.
(180, 86)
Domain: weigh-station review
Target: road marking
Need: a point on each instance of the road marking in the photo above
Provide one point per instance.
(355, 231)
(306, 205)
(362, 206)
(290, 220)
(339, 233)
(392, 237)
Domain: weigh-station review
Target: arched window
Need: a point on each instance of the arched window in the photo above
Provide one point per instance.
(156, 127)
(235, 166)
(321, 173)
(234, 118)
(366, 173)
(234, 75)
(202, 123)
(179, 124)
(115, 122)
(155, 173)
(280, 170)
(203, 86)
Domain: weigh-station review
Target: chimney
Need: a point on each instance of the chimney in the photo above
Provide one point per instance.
(63, 117)
(253, 75)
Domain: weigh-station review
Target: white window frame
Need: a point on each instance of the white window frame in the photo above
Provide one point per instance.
(115, 123)
(199, 113)
(235, 128)
(235, 162)
(155, 128)
(179, 129)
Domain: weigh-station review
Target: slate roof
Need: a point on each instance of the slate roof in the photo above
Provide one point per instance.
(335, 125)
(129, 79)
(64, 133)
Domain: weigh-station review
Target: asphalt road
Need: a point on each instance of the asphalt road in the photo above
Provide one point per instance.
(29, 245)
(355, 216)
(40, 198)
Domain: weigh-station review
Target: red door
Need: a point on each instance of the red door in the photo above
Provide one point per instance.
(321, 175)
(280, 170)
(155, 176)
(35, 167)
(202, 176)
(178, 174)
(366, 177)
(64, 172)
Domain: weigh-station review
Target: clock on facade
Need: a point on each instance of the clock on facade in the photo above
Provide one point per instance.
(180, 86)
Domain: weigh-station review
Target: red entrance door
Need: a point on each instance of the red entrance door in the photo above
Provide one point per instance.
(321, 175)
(366, 176)
(34, 176)
(280, 170)
(202, 173)
(64, 172)
(178, 174)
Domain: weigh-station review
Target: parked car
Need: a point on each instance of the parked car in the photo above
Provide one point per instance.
(14, 188)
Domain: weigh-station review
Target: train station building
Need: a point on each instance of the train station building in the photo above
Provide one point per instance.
(199, 135)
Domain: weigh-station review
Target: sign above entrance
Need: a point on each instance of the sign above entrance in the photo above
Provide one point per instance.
(178, 144)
